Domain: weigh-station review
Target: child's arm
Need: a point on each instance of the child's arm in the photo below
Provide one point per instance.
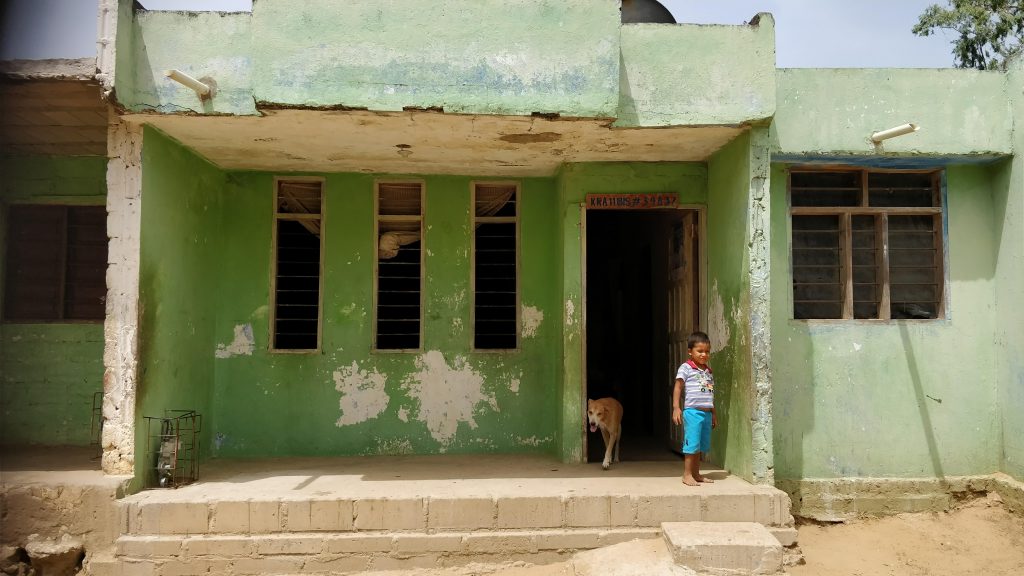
(677, 412)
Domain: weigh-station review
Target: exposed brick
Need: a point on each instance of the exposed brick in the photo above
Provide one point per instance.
(264, 517)
(541, 512)
(148, 546)
(217, 546)
(139, 568)
(405, 563)
(558, 540)
(460, 513)
(386, 514)
(267, 565)
(357, 543)
(295, 515)
(183, 518)
(498, 543)
(336, 564)
(581, 511)
(621, 511)
(413, 544)
(653, 510)
(280, 544)
(330, 515)
(230, 517)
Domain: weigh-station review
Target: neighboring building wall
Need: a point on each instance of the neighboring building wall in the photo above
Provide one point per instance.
(49, 372)
(1008, 227)
(894, 398)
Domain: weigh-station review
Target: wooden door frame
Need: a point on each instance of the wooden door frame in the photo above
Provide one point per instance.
(702, 284)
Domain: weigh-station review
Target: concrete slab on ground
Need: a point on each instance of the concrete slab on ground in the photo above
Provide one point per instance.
(723, 547)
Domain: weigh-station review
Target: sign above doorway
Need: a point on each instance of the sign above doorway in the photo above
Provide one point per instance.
(631, 201)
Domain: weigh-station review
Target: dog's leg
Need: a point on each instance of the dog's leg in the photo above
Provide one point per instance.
(618, 437)
(607, 448)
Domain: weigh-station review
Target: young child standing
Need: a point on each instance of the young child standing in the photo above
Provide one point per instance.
(696, 385)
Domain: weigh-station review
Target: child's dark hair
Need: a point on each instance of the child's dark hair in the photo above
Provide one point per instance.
(697, 338)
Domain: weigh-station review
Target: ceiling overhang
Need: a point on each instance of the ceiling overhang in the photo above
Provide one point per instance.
(427, 142)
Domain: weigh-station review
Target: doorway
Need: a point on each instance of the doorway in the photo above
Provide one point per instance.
(642, 300)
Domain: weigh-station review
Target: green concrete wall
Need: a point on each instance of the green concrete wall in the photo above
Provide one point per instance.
(575, 181)
(179, 268)
(1008, 227)
(49, 372)
(897, 398)
(487, 56)
(827, 111)
(348, 399)
(728, 302)
(200, 44)
(697, 74)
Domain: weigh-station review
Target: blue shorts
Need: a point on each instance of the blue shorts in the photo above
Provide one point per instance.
(696, 431)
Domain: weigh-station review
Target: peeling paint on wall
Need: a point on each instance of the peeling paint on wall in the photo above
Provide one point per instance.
(403, 414)
(362, 394)
(513, 385)
(570, 312)
(718, 328)
(242, 345)
(447, 395)
(394, 446)
(532, 319)
(261, 312)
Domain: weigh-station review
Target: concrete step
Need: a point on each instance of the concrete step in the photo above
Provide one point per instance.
(341, 552)
(724, 547)
(160, 513)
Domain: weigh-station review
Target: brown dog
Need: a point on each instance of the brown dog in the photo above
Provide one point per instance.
(606, 414)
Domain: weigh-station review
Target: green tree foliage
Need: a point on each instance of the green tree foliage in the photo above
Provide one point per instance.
(989, 30)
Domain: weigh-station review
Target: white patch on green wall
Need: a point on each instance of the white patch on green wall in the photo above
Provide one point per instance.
(242, 345)
(455, 299)
(513, 385)
(348, 310)
(362, 394)
(403, 414)
(261, 312)
(447, 395)
(533, 441)
(718, 327)
(570, 312)
(532, 318)
(456, 326)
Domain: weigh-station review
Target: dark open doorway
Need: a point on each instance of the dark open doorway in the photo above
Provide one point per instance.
(642, 293)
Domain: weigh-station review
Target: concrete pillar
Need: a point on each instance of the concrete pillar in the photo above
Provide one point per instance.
(120, 330)
(759, 239)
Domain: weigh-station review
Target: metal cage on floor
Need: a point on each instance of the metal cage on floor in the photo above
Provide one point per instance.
(172, 448)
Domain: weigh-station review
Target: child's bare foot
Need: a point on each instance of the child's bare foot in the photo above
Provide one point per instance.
(705, 480)
(690, 481)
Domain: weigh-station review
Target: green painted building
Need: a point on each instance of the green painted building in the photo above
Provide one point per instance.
(438, 227)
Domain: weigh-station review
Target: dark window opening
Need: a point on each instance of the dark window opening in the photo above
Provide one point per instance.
(866, 245)
(297, 266)
(496, 267)
(56, 263)
(399, 265)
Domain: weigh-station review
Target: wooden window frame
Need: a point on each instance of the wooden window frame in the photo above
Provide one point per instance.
(273, 262)
(63, 265)
(376, 256)
(472, 255)
(845, 214)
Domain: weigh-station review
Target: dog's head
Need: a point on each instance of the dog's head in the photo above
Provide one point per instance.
(596, 414)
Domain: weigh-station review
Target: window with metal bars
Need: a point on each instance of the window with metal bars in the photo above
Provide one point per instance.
(399, 217)
(495, 266)
(56, 263)
(867, 244)
(298, 245)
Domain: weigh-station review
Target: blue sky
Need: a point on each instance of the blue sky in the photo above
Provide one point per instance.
(809, 33)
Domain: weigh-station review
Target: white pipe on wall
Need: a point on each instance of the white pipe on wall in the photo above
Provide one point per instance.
(178, 76)
(894, 132)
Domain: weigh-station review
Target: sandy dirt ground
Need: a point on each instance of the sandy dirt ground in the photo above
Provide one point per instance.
(979, 538)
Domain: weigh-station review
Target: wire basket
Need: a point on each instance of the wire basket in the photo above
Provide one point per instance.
(172, 448)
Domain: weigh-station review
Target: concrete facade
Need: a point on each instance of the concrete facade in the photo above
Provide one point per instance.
(564, 101)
